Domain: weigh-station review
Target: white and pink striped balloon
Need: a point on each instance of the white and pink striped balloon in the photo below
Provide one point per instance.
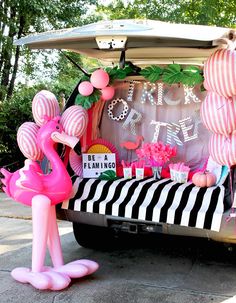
(27, 141)
(75, 120)
(223, 149)
(220, 73)
(218, 113)
(44, 104)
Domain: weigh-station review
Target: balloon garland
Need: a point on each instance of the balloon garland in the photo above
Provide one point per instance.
(220, 73)
(97, 87)
(218, 110)
(218, 113)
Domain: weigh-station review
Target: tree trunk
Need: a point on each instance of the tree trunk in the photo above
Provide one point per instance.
(7, 54)
(14, 72)
(3, 8)
(17, 56)
(1, 45)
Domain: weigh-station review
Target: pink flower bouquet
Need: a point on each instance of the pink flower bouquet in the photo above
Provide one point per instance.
(157, 154)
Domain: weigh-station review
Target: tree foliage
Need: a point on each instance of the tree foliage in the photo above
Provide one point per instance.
(12, 114)
(22, 17)
(205, 12)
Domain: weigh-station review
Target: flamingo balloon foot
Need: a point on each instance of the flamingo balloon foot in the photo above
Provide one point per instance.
(55, 278)
(41, 280)
(78, 269)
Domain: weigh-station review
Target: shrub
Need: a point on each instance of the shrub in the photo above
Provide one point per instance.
(13, 113)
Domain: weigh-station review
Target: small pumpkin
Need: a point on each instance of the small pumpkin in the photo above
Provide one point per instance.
(204, 179)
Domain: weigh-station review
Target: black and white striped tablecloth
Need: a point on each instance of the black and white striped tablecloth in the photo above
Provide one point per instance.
(160, 201)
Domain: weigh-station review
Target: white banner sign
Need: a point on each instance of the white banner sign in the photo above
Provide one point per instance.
(95, 164)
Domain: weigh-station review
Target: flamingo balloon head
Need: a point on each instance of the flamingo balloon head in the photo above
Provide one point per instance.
(45, 133)
(52, 132)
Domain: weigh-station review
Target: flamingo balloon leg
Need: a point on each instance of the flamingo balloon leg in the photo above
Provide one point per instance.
(45, 231)
(40, 215)
(54, 243)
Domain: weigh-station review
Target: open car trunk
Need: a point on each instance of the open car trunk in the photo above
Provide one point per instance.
(159, 111)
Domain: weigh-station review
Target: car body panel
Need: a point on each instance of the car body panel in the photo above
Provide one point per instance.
(147, 40)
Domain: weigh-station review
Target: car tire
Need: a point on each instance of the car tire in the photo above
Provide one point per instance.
(96, 237)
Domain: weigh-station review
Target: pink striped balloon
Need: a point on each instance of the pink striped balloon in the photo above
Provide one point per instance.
(27, 141)
(220, 73)
(44, 104)
(223, 149)
(76, 163)
(218, 114)
(75, 120)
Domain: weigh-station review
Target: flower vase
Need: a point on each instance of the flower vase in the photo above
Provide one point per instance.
(156, 170)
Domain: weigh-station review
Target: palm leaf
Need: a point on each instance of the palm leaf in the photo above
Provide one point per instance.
(108, 175)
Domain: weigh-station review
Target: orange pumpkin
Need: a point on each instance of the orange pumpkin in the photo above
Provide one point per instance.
(204, 179)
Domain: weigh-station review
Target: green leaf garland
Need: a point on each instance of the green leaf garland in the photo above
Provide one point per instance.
(172, 74)
(118, 73)
(152, 73)
(192, 76)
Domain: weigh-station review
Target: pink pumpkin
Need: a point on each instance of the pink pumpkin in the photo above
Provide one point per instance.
(204, 179)
(220, 73)
(218, 113)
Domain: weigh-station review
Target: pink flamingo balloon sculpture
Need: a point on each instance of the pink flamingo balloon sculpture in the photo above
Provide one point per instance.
(42, 192)
(130, 146)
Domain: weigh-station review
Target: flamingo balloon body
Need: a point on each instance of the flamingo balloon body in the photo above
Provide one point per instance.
(42, 192)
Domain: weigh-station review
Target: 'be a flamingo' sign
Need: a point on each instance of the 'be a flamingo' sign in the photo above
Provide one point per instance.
(95, 164)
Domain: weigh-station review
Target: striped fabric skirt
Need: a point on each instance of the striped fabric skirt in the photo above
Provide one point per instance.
(159, 201)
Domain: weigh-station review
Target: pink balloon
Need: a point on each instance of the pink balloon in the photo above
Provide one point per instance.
(99, 78)
(220, 73)
(75, 120)
(223, 149)
(85, 88)
(44, 104)
(108, 92)
(218, 113)
(205, 84)
(27, 141)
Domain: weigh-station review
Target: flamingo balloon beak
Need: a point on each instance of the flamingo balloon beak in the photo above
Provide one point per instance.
(63, 138)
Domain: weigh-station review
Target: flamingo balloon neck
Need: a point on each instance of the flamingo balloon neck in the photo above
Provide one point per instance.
(47, 145)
